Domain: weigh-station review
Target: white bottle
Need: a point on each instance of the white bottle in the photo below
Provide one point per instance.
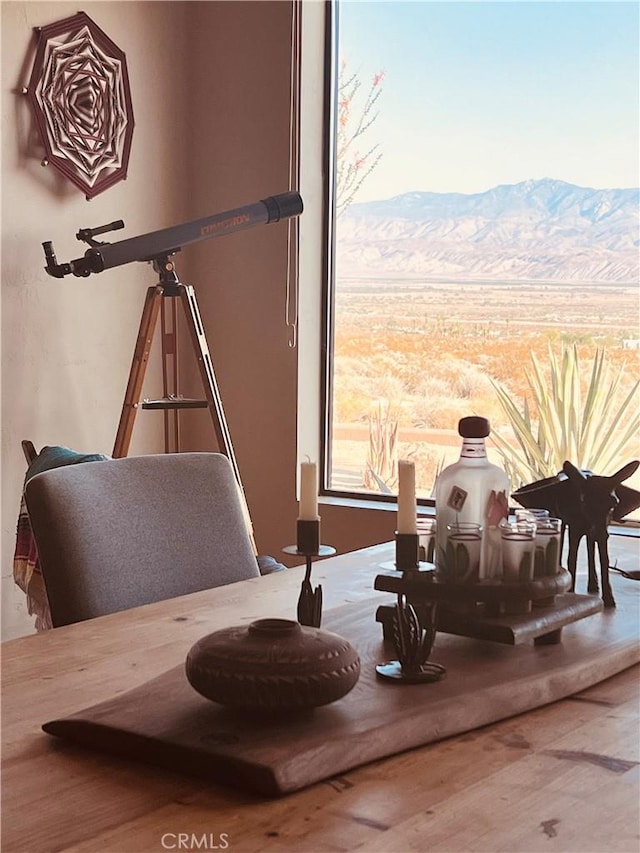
(472, 490)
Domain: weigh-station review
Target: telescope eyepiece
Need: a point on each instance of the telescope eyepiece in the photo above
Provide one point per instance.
(49, 253)
(52, 266)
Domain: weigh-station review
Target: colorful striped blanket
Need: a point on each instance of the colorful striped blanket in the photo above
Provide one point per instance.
(26, 571)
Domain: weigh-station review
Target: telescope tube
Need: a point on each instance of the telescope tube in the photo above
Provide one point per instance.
(156, 244)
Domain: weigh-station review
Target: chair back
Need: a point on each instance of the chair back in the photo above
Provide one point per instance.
(124, 532)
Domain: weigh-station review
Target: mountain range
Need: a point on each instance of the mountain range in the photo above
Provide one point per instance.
(537, 230)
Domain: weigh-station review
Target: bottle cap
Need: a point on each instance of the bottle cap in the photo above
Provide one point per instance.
(473, 427)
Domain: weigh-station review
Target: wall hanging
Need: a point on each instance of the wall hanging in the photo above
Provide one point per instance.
(80, 96)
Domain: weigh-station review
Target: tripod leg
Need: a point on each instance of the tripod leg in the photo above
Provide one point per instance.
(169, 339)
(220, 426)
(138, 369)
(196, 330)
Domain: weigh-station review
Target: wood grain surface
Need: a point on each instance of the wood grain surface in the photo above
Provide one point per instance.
(167, 723)
(563, 777)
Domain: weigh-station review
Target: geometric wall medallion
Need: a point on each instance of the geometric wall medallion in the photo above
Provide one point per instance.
(80, 96)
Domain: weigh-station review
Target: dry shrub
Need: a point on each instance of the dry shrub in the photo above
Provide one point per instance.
(448, 413)
(472, 382)
(351, 399)
(387, 390)
(429, 461)
(427, 409)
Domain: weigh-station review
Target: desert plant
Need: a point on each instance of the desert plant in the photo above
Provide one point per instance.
(381, 473)
(353, 122)
(593, 429)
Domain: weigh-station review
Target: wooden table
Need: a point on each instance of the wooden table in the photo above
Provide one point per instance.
(564, 777)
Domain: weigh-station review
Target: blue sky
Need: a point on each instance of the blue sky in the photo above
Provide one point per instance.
(482, 93)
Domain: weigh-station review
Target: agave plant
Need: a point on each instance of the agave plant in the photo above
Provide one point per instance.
(382, 454)
(593, 429)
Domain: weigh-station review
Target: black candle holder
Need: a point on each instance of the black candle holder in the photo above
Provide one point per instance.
(308, 546)
(407, 552)
(413, 640)
(413, 628)
(407, 557)
(308, 536)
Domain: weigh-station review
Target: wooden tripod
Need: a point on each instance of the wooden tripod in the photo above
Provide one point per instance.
(163, 299)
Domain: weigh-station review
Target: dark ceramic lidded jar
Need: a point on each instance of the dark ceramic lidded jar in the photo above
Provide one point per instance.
(273, 665)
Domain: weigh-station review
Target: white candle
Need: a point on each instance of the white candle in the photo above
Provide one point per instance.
(407, 509)
(308, 510)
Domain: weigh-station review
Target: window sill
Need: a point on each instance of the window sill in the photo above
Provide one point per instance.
(630, 528)
(368, 504)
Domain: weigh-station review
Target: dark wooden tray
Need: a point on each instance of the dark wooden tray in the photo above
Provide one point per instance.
(165, 722)
(426, 585)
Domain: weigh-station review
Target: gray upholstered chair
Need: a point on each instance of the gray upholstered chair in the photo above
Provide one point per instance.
(120, 533)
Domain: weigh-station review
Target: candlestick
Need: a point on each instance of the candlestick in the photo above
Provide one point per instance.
(407, 552)
(413, 640)
(407, 509)
(308, 509)
(308, 545)
(308, 536)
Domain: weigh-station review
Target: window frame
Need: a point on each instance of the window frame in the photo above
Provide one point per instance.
(330, 82)
(323, 416)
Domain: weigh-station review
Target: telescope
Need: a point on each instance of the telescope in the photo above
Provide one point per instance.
(161, 302)
(161, 244)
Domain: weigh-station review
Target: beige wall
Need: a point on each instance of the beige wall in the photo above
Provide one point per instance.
(239, 121)
(210, 84)
(67, 344)
(239, 116)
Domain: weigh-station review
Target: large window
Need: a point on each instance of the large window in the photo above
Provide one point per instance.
(483, 250)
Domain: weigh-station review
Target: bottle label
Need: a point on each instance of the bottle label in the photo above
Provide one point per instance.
(473, 448)
(457, 498)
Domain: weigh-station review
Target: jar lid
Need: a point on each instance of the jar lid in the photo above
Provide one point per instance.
(473, 427)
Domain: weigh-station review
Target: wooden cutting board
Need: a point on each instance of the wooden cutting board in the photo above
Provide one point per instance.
(165, 722)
